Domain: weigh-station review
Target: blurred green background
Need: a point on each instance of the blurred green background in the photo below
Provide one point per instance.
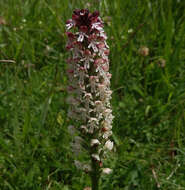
(147, 62)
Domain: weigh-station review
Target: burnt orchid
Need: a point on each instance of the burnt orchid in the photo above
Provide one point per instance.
(89, 92)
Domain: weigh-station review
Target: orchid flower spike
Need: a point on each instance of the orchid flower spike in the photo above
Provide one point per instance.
(89, 88)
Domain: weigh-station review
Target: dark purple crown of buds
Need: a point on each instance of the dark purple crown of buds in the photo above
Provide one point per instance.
(84, 20)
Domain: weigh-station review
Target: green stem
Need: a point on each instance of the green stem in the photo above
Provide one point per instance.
(95, 175)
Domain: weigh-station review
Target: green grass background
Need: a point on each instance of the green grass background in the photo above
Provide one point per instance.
(148, 99)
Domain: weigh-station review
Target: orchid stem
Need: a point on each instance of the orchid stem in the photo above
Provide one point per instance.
(95, 175)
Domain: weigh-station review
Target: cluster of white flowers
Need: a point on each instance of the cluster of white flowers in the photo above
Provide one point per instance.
(89, 88)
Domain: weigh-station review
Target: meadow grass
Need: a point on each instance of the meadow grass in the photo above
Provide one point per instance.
(148, 95)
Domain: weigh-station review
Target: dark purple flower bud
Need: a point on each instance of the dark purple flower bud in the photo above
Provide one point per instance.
(69, 46)
(84, 29)
(70, 35)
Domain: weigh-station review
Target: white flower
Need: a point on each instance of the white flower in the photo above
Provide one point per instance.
(109, 145)
(93, 45)
(83, 113)
(87, 60)
(93, 80)
(95, 142)
(81, 37)
(78, 164)
(109, 118)
(76, 148)
(88, 97)
(84, 128)
(106, 45)
(99, 106)
(87, 188)
(107, 134)
(76, 52)
(106, 170)
(72, 114)
(102, 34)
(76, 145)
(102, 88)
(96, 157)
(78, 139)
(69, 25)
(107, 114)
(87, 167)
(81, 75)
(92, 124)
(108, 93)
(101, 71)
(107, 125)
(72, 100)
(97, 26)
(90, 129)
(71, 129)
